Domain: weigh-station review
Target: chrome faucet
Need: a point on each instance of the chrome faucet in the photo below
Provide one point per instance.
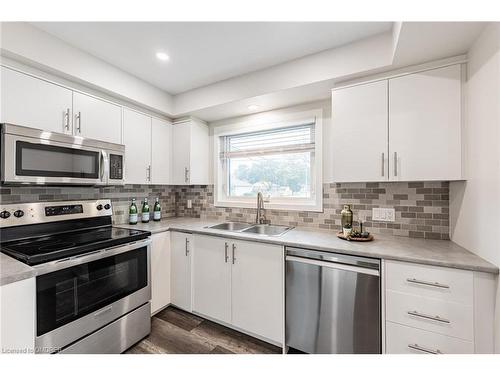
(261, 216)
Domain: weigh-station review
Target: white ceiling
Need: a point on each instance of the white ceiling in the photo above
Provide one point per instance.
(203, 53)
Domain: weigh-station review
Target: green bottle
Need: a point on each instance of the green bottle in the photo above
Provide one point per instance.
(145, 211)
(132, 213)
(157, 210)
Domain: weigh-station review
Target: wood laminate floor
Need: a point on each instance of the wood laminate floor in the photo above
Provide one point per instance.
(177, 332)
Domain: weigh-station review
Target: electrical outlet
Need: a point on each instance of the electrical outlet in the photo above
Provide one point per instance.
(189, 203)
(383, 214)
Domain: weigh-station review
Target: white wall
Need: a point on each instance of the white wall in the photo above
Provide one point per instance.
(29, 45)
(284, 114)
(475, 204)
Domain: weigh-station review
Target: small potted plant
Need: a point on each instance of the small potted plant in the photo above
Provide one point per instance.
(347, 229)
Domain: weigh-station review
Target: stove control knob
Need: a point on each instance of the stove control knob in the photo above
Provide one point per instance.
(5, 214)
(107, 206)
(99, 207)
(19, 213)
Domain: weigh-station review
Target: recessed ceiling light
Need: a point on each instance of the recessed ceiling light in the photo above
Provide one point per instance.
(162, 56)
(253, 107)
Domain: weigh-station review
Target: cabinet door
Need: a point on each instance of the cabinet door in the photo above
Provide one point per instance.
(35, 103)
(137, 140)
(257, 288)
(212, 277)
(161, 151)
(160, 271)
(18, 315)
(425, 125)
(181, 145)
(359, 134)
(181, 270)
(97, 119)
(199, 159)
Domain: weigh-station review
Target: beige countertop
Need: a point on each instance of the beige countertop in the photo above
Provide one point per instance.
(414, 250)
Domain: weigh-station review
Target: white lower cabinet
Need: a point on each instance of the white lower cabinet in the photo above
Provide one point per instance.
(431, 309)
(239, 283)
(18, 316)
(160, 271)
(409, 340)
(212, 277)
(257, 288)
(180, 275)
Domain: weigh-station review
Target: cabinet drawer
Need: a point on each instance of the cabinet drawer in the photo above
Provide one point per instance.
(447, 284)
(447, 318)
(401, 339)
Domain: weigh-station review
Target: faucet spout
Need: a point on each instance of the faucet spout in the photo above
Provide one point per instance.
(260, 217)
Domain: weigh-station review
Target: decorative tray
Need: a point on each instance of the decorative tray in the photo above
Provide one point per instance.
(360, 239)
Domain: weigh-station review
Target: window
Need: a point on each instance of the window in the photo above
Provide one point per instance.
(281, 162)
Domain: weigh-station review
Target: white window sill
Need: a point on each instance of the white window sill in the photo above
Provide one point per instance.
(272, 206)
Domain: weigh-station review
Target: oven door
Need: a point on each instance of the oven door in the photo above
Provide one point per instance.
(90, 292)
(45, 161)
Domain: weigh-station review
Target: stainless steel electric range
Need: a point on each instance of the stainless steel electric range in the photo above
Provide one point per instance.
(93, 284)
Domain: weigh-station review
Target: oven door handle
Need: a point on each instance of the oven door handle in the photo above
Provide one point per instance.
(89, 257)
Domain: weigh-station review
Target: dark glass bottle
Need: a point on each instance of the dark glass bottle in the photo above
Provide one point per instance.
(157, 210)
(145, 211)
(132, 213)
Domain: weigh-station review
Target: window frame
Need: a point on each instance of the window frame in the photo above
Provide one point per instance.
(264, 122)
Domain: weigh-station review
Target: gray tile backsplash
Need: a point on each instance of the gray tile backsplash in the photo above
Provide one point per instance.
(422, 208)
(120, 196)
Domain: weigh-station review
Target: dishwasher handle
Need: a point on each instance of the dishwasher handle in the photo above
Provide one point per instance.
(333, 265)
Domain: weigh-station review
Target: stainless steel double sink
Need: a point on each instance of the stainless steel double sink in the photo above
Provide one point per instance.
(263, 229)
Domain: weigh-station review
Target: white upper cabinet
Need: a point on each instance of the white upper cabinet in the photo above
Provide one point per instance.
(137, 140)
(161, 152)
(96, 118)
(359, 133)
(190, 152)
(425, 125)
(35, 103)
(407, 128)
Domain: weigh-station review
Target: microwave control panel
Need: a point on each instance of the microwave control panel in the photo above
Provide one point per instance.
(116, 167)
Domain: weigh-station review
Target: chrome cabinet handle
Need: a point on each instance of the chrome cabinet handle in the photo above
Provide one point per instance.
(187, 248)
(148, 175)
(226, 256)
(425, 350)
(436, 318)
(66, 119)
(186, 175)
(79, 118)
(383, 164)
(395, 164)
(234, 249)
(428, 283)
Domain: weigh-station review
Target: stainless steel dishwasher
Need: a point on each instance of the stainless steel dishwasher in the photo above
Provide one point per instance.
(332, 302)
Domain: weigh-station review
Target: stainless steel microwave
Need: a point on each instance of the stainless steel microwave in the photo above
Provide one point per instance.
(34, 156)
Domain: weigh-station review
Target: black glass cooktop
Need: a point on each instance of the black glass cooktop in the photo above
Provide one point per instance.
(59, 246)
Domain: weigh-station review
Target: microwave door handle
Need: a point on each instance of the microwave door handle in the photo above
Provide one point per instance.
(104, 167)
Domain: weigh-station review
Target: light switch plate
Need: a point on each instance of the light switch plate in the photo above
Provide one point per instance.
(383, 214)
